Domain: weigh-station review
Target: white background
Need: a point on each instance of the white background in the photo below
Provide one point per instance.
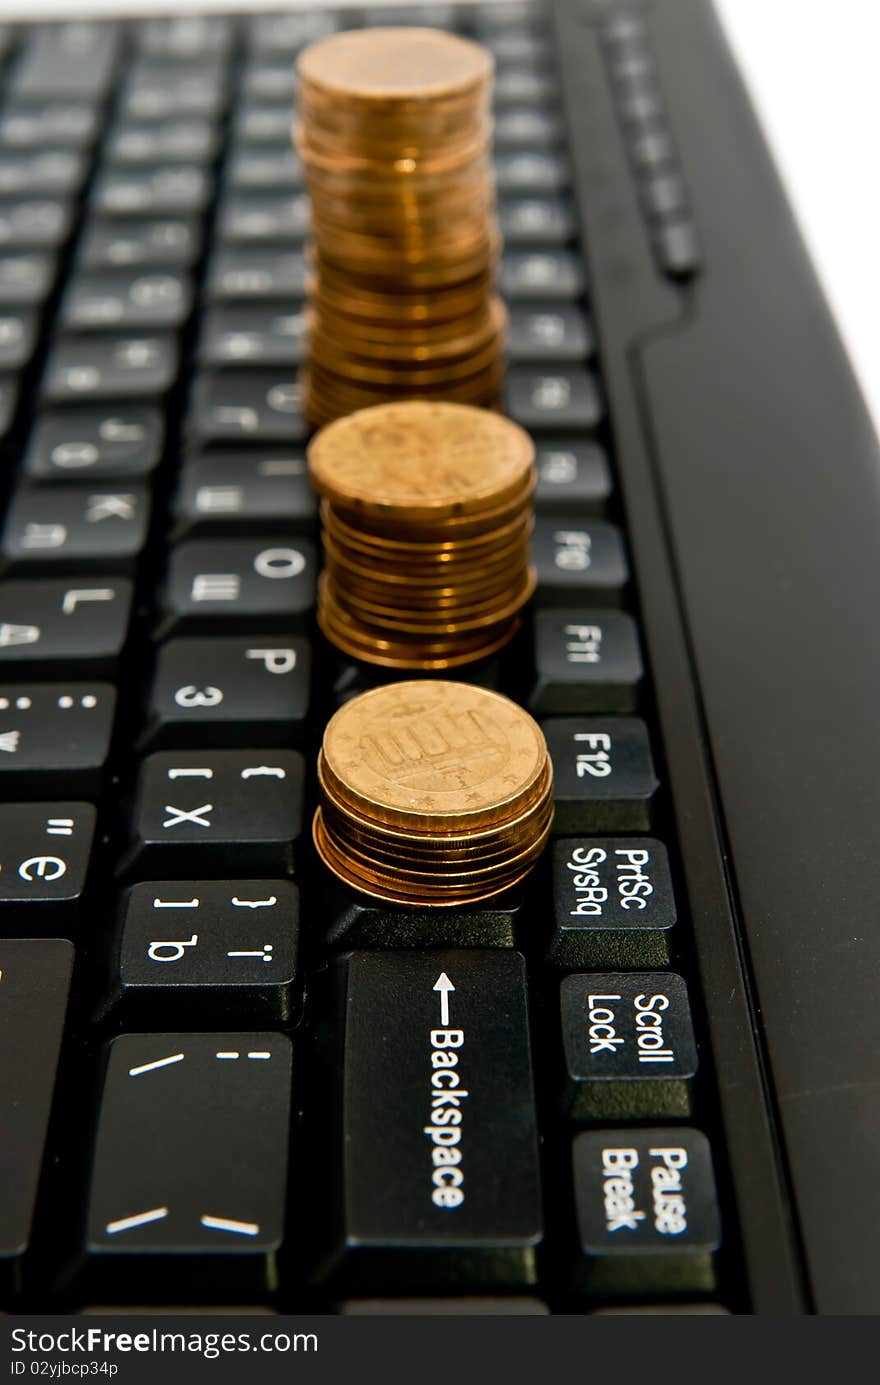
(813, 70)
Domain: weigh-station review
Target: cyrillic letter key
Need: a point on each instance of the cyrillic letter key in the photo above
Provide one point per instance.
(438, 1183)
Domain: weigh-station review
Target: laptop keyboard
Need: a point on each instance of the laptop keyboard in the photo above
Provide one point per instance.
(246, 1105)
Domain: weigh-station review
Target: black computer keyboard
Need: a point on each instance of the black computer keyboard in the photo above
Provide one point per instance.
(215, 1073)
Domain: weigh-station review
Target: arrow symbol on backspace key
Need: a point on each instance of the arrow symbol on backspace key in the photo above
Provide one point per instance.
(444, 986)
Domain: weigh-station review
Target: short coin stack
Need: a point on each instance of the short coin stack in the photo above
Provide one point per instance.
(395, 130)
(427, 516)
(433, 794)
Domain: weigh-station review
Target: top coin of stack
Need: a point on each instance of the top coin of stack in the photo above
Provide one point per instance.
(426, 517)
(433, 794)
(395, 132)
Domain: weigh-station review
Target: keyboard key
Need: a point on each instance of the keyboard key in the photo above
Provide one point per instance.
(628, 1045)
(235, 811)
(75, 59)
(242, 492)
(523, 86)
(190, 1165)
(548, 333)
(437, 1042)
(442, 1307)
(536, 220)
(229, 585)
(647, 1212)
(574, 478)
(94, 444)
(34, 223)
(178, 92)
(528, 172)
(266, 169)
(75, 529)
(603, 774)
(73, 123)
(215, 950)
(286, 32)
(132, 301)
(549, 275)
(68, 626)
(677, 249)
(258, 406)
(269, 80)
(566, 398)
(231, 692)
(44, 858)
(238, 274)
(36, 976)
(613, 904)
(164, 190)
(263, 123)
(526, 127)
(18, 337)
(184, 36)
(89, 368)
(54, 737)
(256, 220)
(53, 172)
(155, 142)
(351, 920)
(255, 336)
(585, 661)
(579, 566)
(26, 279)
(139, 243)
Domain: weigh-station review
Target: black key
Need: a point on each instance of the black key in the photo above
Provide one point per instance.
(178, 92)
(18, 337)
(136, 243)
(54, 172)
(239, 274)
(230, 692)
(190, 1164)
(262, 123)
(221, 586)
(266, 169)
(44, 859)
(286, 32)
(34, 223)
(154, 142)
(579, 566)
(613, 904)
(586, 661)
(651, 150)
(647, 1212)
(63, 626)
(516, 45)
(548, 275)
(269, 80)
(258, 406)
(677, 249)
(165, 190)
(94, 444)
(184, 37)
(73, 123)
(566, 398)
(663, 196)
(205, 812)
(128, 300)
(523, 86)
(244, 493)
(54, 737)
(256, 220)
(75, 529)
(536, 221)
(351, 920)
(628, 1046)
(525, 127)
(209, 952)
(26, 279)
(254, 336)
(574, 478)
(548, 333)
(35, 978)
(442, 1307)
(75, 59)
(8, 403)
(437, 1111)
(526, 172)
(110, 367)
(603, 774)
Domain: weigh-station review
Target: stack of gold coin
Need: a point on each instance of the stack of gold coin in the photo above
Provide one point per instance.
(433, 793)
(394, 129)
(427, 516)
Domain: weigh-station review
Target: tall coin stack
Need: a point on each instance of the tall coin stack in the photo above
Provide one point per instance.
(426, 517)
(394, 131)
(433, 794)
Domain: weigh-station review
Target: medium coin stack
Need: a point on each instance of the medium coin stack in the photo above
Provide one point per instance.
(433, 794)
(394, 130)
(427, 516)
